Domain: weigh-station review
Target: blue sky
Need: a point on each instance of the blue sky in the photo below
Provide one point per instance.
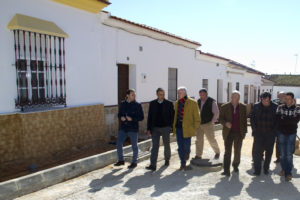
(261, 32)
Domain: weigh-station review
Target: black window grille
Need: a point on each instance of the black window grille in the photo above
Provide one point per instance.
(40, 70)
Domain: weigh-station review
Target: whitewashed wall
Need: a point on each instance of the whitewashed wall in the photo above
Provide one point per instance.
(93, 51)
(154, 61)
(83, 51)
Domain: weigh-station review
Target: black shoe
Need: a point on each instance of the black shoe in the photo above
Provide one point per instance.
(217, 156)
(256, 173)
(167, 163)
(235, 169)
(266, 172)
(132, 166)
(197, 158)
(151, 167)
(225, 173)
(187, 168)
(277, 160)
(119, 163)
(182, 166)
(186, 156)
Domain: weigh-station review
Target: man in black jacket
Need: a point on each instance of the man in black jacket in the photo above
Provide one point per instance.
(160, 120)
(263, 124)
(130, 113)
(288, 116)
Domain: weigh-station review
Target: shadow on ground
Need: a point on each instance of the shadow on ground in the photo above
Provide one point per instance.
(173, 182)
(264, 188)
(162, 184)
(227, 187)
(108, 180)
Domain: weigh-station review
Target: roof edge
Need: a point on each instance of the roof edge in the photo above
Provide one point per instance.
(193, 44)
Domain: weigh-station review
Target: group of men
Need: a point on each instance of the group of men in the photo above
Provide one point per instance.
(188, 117)
(270, 121)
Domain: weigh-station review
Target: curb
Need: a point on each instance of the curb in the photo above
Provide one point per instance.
(31, 183)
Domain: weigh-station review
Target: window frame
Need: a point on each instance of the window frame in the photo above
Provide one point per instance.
(44, 83)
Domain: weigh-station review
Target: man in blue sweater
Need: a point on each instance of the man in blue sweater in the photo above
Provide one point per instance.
(130, 113)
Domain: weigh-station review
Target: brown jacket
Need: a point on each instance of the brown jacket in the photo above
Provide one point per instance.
(226, 116)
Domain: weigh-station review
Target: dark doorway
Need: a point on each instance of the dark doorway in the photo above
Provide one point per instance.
(123, 81)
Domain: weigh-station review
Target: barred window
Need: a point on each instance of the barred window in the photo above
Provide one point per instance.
(40, 69)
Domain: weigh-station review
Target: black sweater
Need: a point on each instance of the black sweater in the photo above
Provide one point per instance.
(160, 115)
(288, 118)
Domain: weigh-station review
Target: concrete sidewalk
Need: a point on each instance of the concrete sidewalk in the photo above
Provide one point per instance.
(169, 183)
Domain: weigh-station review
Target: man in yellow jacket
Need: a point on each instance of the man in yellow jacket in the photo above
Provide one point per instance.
(186, 121)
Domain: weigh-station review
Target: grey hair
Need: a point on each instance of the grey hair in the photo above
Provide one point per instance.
(281, 92)
(182, 88)
(236, 92)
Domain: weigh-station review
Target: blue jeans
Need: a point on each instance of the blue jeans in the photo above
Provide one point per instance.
(184, 145)
(133, 139)
(287, 149)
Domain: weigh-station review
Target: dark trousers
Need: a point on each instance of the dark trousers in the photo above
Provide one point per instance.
(263, 142)
(184, 145)
(236, 139)
(253, 151)
(155, 134)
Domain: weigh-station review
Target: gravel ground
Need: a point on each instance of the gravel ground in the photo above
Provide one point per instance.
(169, 183)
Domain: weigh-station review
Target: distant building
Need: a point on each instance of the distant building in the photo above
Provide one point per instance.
(275, 83)
(266, 85)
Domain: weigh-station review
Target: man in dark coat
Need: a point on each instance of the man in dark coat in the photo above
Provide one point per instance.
(263, 124)
(160, 121)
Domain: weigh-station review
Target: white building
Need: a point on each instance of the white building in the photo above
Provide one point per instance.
(68, 65)
(267, 86)
(276, 83)
(96, 45)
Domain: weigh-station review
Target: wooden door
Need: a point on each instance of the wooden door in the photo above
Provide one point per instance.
(123, 81)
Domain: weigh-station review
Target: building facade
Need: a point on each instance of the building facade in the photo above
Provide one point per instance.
(65, 67)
